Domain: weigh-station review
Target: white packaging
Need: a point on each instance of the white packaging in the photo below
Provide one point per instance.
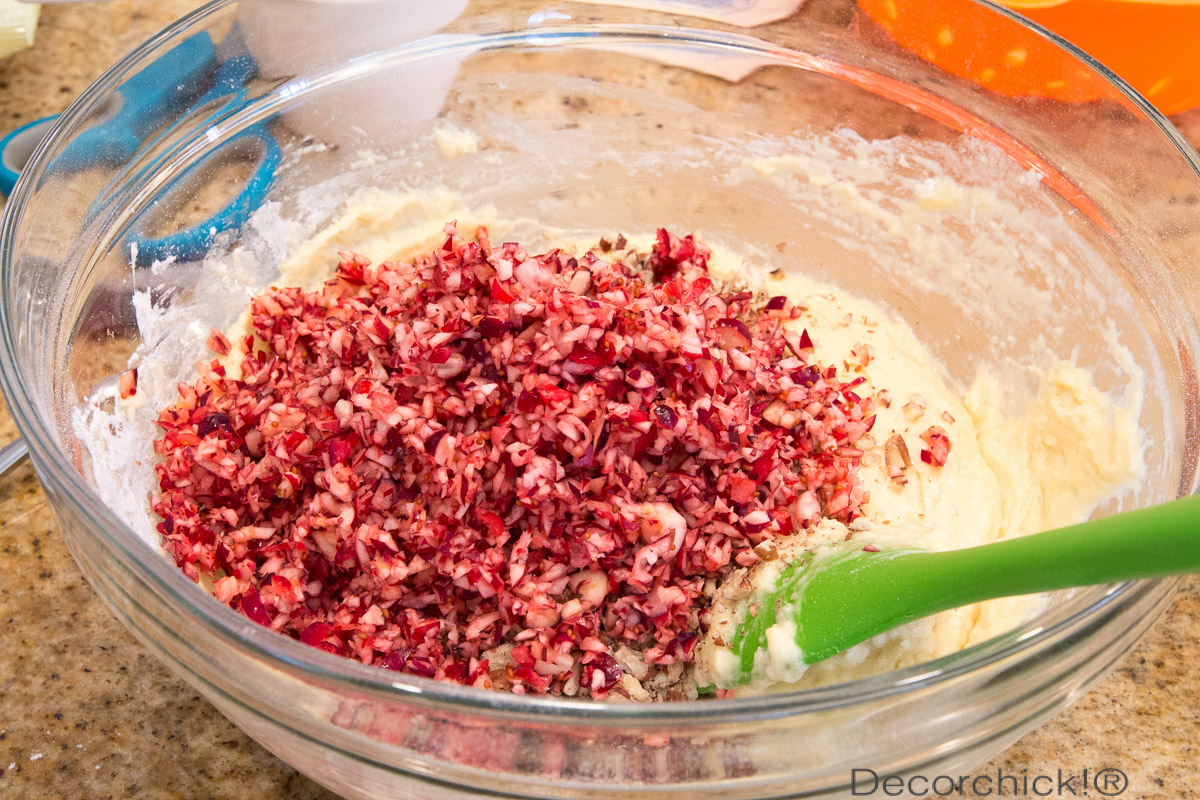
(302, 39)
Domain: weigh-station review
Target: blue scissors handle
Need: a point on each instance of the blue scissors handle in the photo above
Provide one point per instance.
(17, 147)
(143, 101)
(229, 85)
(193, 243)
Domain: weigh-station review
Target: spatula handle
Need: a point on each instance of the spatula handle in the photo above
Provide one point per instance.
(1150, 543)
(844, 606)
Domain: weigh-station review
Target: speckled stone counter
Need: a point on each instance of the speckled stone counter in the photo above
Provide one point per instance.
(85, 712)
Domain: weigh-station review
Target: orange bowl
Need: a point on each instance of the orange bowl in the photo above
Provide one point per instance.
(1152, 45)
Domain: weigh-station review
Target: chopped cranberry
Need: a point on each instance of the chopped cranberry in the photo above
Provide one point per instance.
(252, 607)
(342, 448)
(439, 355)
(420, 665)
(433, 441)
(316, 633)
(218, 343)
(602, 673)
(423, 461)
(554, 395)
(588, 359)
(939, 446)
(396, 660)
(492, 327)
(527, 401)
(666, 416)
(212, 422)
(500, 292)
(128, 384)
(683, 645)
(733, 333)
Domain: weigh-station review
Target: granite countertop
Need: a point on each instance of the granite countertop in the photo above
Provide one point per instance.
(85, 712)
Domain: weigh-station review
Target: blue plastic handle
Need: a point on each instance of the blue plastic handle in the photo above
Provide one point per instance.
(146, 100)
(17, 146)
(192, 244)
(230, 79)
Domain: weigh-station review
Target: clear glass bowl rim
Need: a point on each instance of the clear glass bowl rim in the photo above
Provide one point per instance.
(169, 584)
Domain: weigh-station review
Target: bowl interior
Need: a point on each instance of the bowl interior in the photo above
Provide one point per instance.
(976, 219)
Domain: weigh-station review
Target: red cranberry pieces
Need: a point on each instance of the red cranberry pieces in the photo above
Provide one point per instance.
(939, 446)
(423, 462)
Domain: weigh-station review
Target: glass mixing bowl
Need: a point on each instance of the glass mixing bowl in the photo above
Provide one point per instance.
(808, 136)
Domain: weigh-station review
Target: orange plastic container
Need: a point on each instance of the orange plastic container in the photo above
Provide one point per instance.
(1154, 46)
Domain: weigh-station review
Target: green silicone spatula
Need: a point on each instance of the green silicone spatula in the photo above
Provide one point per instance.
(846, 594)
